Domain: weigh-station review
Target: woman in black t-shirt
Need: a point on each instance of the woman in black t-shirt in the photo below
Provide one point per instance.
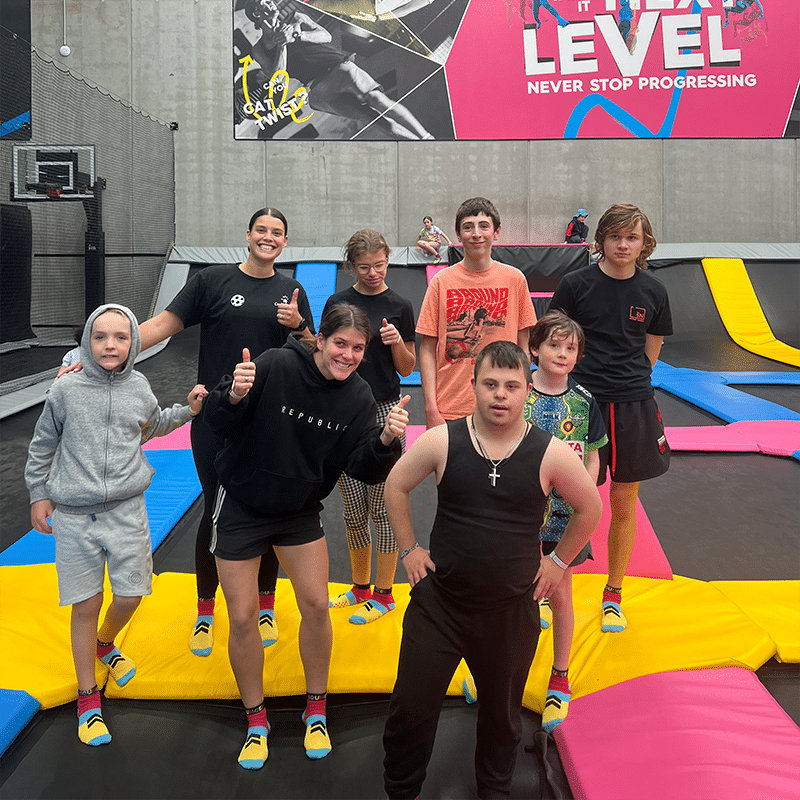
(390, 350)
(236, 305)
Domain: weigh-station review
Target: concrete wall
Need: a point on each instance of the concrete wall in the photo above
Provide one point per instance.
(172, 59)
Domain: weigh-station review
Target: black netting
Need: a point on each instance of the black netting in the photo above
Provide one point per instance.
(44, 242)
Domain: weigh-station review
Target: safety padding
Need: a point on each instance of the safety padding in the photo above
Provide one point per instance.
(32, 548)
(34, 635)
(647, 557)
(741, 313)
(179, 439)
(775, 606)
(174, 488)
(364, 656)
(414, 379)
(677, 624)
(319, 281)
(775, 438)
(708, 438)
(16, 711)
(711, 392)
(714, 734)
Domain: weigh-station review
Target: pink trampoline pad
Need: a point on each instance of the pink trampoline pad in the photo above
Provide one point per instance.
(177, 440)
(704, 438)
(647, 558)
(775, 437)
(432, 269)
(696, 735)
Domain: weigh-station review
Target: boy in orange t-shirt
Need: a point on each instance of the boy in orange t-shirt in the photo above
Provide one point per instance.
(466, 306)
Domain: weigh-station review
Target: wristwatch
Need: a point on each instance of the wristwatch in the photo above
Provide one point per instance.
(301, 324)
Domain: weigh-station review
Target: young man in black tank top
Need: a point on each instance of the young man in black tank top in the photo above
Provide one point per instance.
(475, 593)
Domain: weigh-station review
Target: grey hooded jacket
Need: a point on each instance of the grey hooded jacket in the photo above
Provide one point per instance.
(86, 448)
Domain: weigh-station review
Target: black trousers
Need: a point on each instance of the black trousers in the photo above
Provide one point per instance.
(498, 645)
(205, 446)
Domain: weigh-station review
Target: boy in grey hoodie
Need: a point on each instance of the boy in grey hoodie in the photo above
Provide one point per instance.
(86, 471)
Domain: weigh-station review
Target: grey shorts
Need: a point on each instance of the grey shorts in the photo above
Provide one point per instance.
(86, 543)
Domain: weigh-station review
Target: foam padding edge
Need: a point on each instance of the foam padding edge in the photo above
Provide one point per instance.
(35, 638)
(775, 606)
(16, 711)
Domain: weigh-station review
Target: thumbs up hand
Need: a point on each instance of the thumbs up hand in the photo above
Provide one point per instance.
(389, 334)
(396, 422)
(243, 376)
(288, 313)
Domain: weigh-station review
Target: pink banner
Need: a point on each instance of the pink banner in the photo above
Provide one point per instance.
(515, 69)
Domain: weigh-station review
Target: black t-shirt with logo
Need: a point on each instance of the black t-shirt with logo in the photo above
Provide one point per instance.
(234, 311)
(616, 316)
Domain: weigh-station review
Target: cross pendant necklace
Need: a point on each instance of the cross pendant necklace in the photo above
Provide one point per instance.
(494, 474)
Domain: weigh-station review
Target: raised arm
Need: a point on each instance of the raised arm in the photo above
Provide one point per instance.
(403, 354)
(158, 328)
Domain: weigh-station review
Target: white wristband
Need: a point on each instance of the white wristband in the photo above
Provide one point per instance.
(557, 561)
(237, 396)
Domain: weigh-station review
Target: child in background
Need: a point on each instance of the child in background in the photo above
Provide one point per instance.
(87, 473)
(561, 406)
(429, 240)
(625, 314)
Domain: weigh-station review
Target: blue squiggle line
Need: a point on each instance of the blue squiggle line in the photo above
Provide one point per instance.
(624, 118)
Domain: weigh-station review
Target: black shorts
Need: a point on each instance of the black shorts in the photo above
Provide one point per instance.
(584, 555)
(240, 532)
(637, 448)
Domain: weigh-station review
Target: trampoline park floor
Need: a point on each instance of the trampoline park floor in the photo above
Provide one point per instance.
(718, 517)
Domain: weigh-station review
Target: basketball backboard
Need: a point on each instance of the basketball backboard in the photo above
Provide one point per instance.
(48, 172)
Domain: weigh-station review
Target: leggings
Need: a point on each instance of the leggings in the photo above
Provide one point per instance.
(205, 446)
(361, 501)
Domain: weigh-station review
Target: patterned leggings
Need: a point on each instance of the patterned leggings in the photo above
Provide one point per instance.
(362, 501)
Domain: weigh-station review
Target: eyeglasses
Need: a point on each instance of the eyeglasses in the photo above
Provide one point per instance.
(364, 269)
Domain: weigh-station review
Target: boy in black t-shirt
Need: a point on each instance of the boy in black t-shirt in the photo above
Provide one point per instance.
(625, 314)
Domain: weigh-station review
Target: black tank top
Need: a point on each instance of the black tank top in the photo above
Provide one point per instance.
(485, 539)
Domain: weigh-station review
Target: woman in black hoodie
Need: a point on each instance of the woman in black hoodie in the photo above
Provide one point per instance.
(294, 420)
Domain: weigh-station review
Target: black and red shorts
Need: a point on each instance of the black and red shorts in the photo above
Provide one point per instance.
(637, 448)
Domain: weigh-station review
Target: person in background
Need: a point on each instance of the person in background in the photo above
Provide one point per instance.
(577, 230)
(429, 239)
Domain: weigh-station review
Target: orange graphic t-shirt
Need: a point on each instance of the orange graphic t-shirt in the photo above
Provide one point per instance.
(465, 310)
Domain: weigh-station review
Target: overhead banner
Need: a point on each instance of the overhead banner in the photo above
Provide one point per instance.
(514, 69)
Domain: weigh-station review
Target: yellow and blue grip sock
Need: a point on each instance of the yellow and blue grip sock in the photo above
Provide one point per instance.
(316, 741)
(470, 689)
(613, 620)
(121, 667)
(266, 618)
(254, 752)
(556, 703)
(202, 638)
(382, 603)
(545, 614)
(360, 593)
(92, 729)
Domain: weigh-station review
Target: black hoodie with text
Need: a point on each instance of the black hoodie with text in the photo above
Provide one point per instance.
(294, 433)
